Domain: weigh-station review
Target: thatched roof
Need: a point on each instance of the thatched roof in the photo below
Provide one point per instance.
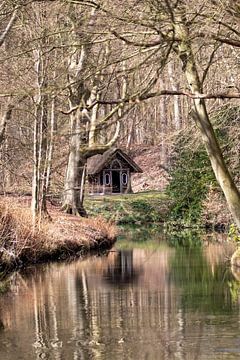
(96, 163)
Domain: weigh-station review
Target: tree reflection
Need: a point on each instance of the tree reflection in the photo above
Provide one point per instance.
(204, 286)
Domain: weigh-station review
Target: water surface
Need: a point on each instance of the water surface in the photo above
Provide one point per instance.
(143, 300)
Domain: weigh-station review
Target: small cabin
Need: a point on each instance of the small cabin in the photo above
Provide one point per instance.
(110, 173)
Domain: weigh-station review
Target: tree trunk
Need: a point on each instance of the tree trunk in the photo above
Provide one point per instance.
(72, 203)
(85, 139)
(51, 145)
(35, 180)
(39, 188)
(4, 120)
(200, 115)
(43, 157)
(176, 107)
(72, 197)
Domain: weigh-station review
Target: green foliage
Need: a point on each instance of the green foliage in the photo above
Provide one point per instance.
(233, 233)
(192, 174)
(141, 205)
(234, 287)
(145, 210)
(191, 177)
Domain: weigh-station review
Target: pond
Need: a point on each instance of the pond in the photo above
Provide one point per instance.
(145, 299)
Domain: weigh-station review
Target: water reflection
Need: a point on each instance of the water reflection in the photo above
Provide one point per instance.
(152, 303)
(123, 272)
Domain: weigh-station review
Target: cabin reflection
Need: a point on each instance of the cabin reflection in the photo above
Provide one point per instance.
(122, 271)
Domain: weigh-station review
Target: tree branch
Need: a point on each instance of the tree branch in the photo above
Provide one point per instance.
(137, 99)
(210, 61)
(221, 38)
(228, 41)
(135, 43)
(84, 2)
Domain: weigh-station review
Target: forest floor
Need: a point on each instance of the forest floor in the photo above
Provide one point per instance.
(61, 238)
(155, 175)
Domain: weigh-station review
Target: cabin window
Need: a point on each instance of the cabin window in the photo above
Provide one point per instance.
(107, 179)
(124, 178)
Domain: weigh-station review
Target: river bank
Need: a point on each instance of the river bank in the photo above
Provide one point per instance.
(151, 207)
(64, 236)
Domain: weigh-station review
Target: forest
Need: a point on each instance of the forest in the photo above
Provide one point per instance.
(159, 79)
(119, 179)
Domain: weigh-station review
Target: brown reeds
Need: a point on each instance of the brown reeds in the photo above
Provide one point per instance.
(21, 243)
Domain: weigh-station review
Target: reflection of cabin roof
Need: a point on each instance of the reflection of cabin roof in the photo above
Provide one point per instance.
(96, 163)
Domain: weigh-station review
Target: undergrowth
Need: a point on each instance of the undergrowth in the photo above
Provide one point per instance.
(192, 180)
(22, 243)
(139, 208)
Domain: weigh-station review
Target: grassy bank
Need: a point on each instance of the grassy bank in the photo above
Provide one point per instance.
(64, 236)
(144, 207)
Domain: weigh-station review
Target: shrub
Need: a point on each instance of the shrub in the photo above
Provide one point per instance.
(191, 178)
(192, 175)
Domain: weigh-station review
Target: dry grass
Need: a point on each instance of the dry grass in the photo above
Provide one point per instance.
(66, 235)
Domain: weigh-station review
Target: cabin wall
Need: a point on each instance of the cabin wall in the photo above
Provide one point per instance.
(115, 178)
(106, 183)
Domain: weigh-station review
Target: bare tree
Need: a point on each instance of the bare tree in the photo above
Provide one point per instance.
(168, 25)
